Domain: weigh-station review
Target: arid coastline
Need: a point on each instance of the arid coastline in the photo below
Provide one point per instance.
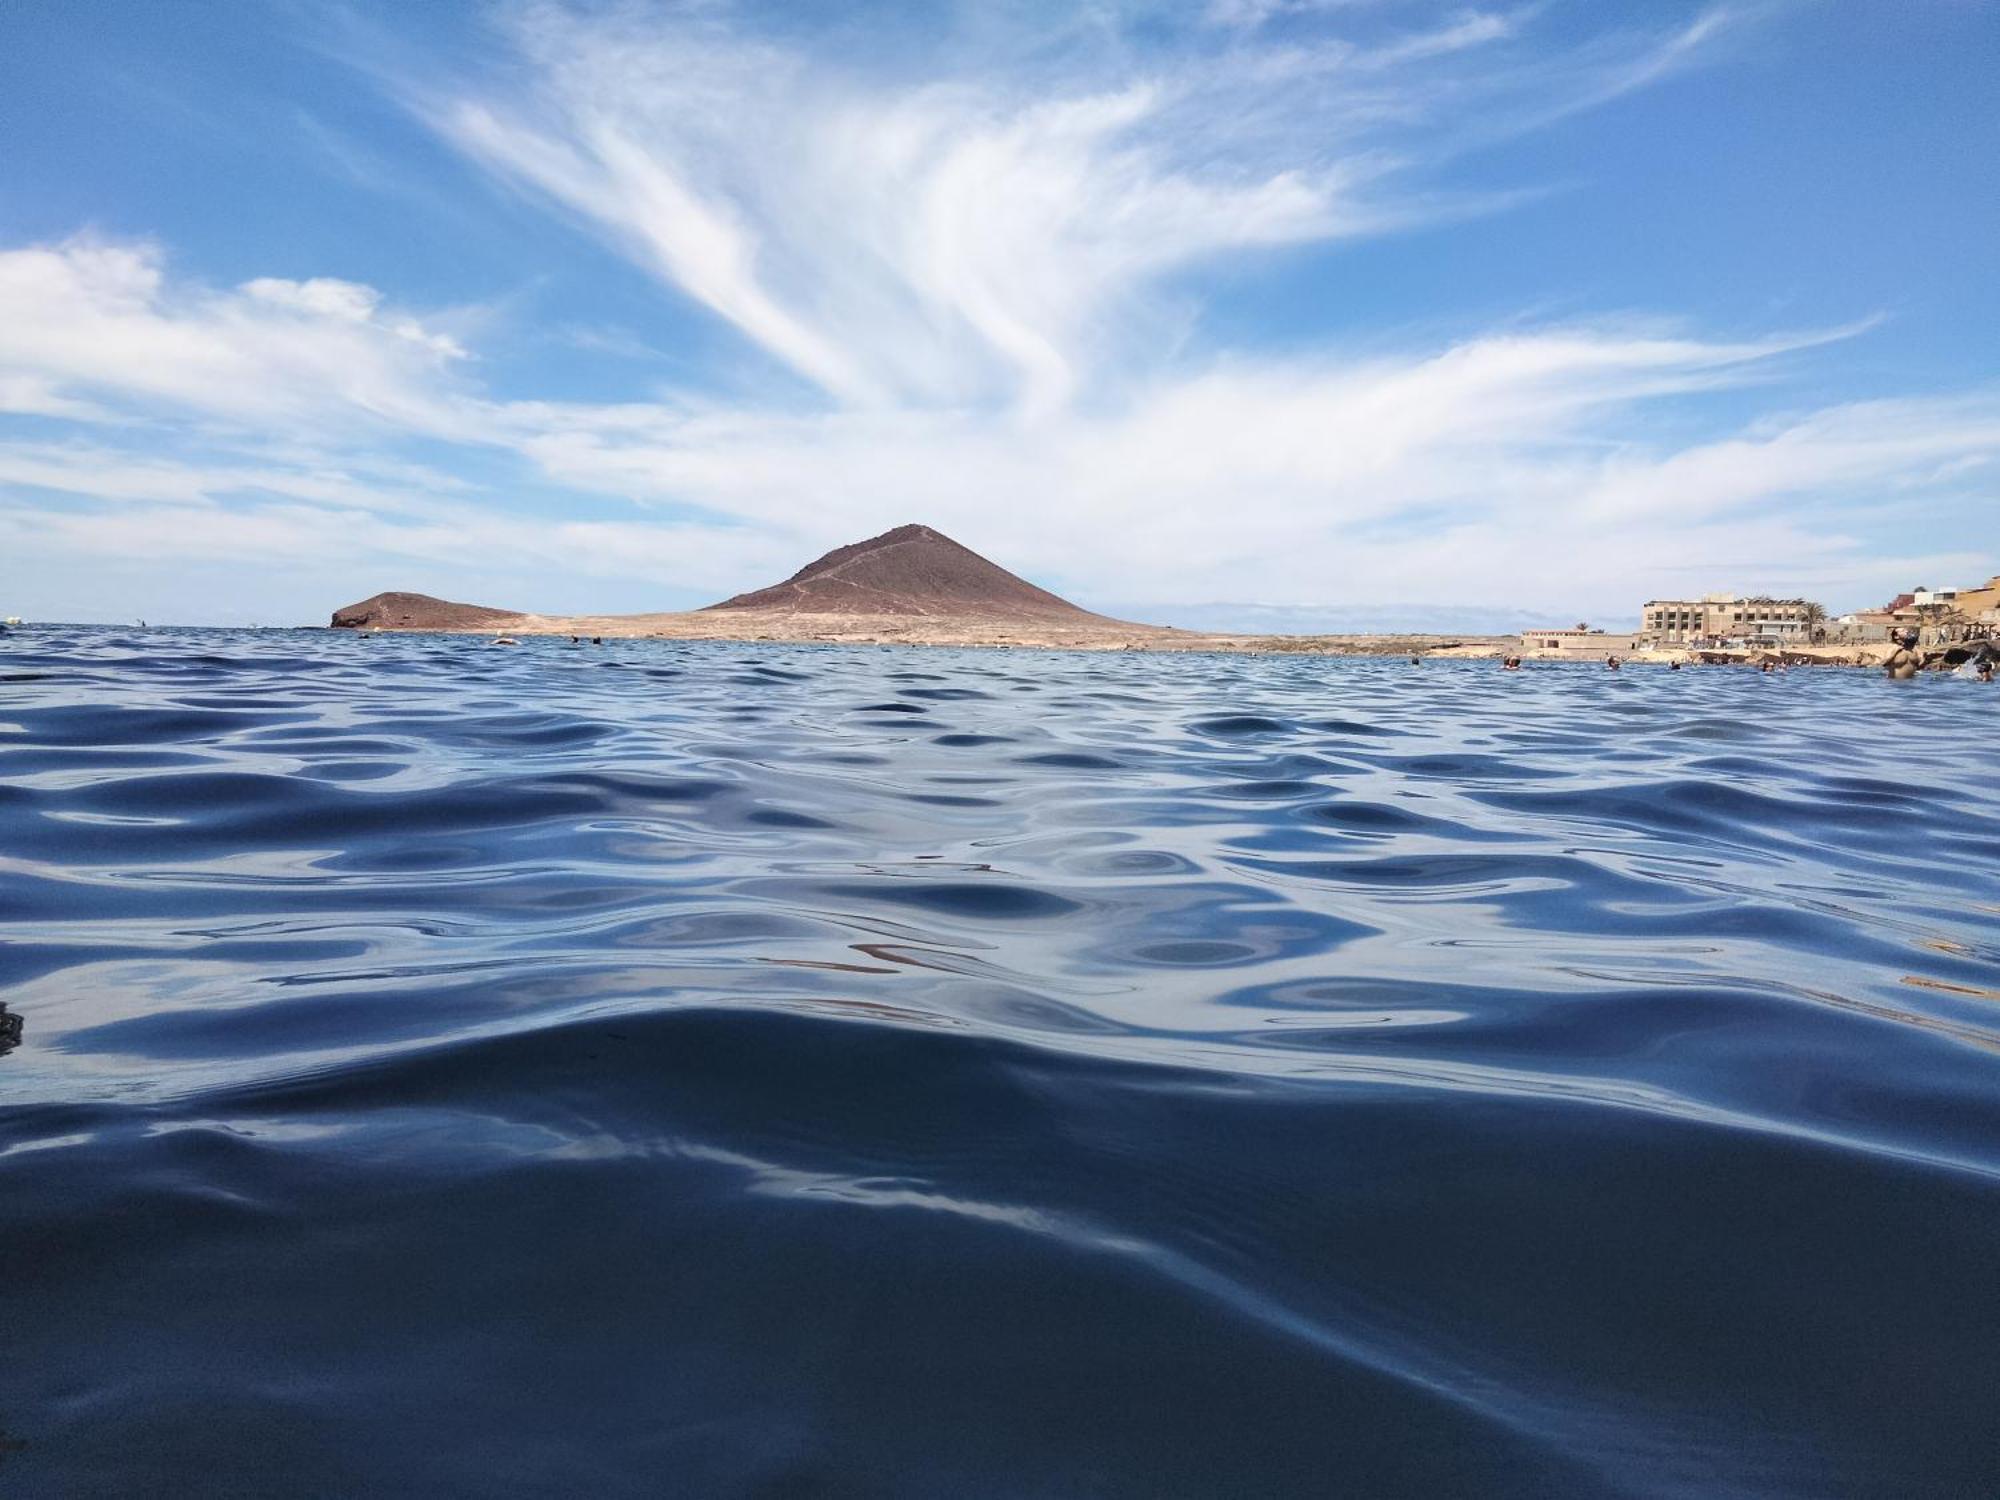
(915, 586)
(959, 630)
(909, 586)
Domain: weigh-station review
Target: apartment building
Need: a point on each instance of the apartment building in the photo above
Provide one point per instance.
(1675, 622)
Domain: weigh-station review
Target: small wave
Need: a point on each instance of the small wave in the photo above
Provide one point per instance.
(788, 1069)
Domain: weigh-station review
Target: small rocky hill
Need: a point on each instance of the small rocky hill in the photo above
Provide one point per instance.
(417, 612)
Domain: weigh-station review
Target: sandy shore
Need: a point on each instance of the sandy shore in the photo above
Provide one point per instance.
(920, 630)
(1086, 635)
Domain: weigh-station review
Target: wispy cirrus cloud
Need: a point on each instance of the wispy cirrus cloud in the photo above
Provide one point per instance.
(982, 236)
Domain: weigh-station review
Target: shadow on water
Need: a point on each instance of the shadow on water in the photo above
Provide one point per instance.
(811, 1070)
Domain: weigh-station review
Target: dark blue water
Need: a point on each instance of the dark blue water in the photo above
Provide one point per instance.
(786, 1071)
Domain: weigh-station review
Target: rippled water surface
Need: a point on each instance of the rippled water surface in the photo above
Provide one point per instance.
(728, 1070)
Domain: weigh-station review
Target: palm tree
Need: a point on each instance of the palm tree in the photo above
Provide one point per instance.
(1813, 617)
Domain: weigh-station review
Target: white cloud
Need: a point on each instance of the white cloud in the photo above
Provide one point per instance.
(34, 396)
(98, 472)
(1250, 14)
(332, 300)
(93, 319)
(1280, 482)
(1878, 446)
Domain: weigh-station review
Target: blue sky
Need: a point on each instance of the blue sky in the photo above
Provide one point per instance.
(1267, 311)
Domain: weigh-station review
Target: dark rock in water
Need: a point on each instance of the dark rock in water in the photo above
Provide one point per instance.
(10, 1030)
(912, 570)
(417, 612)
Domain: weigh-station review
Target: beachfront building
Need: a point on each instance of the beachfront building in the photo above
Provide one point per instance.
(1579, 642)
(1865, 625)
(1937, 616)
(1899, 614)
(1972, 604)
(1725, 617)
(1673, 622)
(1946, 615)
(1981, 605)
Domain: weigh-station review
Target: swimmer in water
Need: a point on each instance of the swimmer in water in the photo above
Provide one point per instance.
(1673, 666)
(1612, 663)
(1510, 663)
(1903, 663)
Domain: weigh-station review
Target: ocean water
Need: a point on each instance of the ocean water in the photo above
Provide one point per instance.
(703, 1069)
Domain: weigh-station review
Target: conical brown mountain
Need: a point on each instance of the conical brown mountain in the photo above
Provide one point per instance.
(912, 570)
